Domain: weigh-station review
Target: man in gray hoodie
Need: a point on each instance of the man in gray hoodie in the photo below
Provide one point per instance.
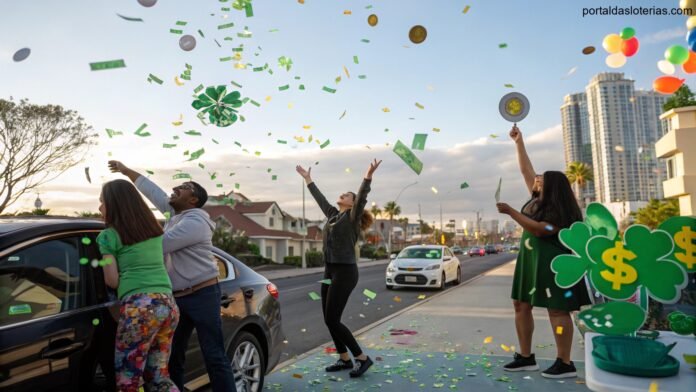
(187, 245)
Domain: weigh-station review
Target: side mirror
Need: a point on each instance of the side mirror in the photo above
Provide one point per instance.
(392, 256)
(448, 258)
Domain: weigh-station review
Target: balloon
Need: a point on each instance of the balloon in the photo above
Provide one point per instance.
(683, 4)
(677, 54)
(690, 65)
(612, 43)
(691, 22)
(630, 46)
(627, 33)
(616, 60)
(665, 67)
(691, 38)
(187, 42)
(667, 84)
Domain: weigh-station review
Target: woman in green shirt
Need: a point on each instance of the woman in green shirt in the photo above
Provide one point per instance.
(132, 246)
(552, 207)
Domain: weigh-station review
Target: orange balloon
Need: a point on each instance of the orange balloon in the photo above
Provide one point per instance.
(690, 65)
(667, 84)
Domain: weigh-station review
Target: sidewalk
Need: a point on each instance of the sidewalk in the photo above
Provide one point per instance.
(447, 350)
(293, 272)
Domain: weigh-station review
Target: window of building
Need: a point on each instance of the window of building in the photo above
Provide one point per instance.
(671, 168)
(291, 251)
(269, 252)
(270, 222)
(41, 280)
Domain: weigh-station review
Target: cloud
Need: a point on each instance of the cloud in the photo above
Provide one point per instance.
(480, 163)
(664, 35)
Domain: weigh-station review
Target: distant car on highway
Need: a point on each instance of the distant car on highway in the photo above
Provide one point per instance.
(58, 318)
(423, 266)
(457, 250)
(476, 251)
(491, 249)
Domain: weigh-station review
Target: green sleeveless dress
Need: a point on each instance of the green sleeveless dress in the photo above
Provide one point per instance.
(534, 282)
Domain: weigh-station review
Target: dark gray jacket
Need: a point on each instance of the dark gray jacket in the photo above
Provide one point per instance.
(342, 229)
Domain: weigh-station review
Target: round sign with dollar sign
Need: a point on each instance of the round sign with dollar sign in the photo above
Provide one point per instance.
(618, 275)
(514, 107)
(683, 232)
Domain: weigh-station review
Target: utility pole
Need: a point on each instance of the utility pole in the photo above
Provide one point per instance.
(304, 229)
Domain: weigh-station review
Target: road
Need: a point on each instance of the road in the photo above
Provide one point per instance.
(303, 322)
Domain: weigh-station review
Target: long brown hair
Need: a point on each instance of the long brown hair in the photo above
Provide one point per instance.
(558, 204)
(127, 213)
(366, 220)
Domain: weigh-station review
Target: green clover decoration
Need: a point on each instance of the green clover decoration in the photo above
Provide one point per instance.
(220, 106)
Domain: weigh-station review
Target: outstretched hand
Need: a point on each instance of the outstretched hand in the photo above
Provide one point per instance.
(515, 134)
(503, 208)
(117, 167)
(306, 174)
(373, 167)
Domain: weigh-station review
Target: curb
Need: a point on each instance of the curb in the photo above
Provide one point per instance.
(317, 270)
(366, 328)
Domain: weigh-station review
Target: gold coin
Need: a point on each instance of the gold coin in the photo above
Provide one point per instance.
(417, 34)
(513, 107)
(372, 20)
(588, 50)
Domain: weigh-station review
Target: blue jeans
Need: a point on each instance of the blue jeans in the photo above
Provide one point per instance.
(201, 310)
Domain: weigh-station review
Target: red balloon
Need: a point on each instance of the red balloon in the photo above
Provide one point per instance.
(667, 84)
(629, 47)
(690, 65)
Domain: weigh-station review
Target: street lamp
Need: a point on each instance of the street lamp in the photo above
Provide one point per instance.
(391, 229)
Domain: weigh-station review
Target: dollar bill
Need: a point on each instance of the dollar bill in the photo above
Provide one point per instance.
(497, 191)
(419, 141)
(102, 65)
(408, 156)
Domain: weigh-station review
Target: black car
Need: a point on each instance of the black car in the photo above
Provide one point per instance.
(58, 319)
(491, 249)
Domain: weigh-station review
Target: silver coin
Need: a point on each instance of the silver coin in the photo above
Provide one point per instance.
(147, 3)
(187, 42)
(514, 107)
(21, 54)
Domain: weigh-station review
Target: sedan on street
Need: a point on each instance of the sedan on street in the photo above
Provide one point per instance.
(476, 251)
(423, 266)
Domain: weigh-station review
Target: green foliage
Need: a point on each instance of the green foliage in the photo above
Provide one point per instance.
(292, 260)
(314, 258)
(87, 214)
(655, 212)
(681, 98)
(233, 244)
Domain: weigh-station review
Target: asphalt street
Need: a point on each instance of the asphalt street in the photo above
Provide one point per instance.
(302, 317)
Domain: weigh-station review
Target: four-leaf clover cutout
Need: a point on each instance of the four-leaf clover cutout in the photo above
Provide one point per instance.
(220, 106)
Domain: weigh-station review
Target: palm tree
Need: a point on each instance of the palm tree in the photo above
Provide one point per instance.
(656, 212)
(376, 212)
(579, 174)
(391, 209)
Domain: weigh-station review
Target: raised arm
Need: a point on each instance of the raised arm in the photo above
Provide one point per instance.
(148, 188)
(325, 206)
(526, 167)
(361, 197)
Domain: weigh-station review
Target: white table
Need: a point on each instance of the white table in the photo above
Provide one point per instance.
(601, 381)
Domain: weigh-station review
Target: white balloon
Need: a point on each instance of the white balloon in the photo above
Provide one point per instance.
(666, 67)
(616, 60)
(187, 42)
(147, 3)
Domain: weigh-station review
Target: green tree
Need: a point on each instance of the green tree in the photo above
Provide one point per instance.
(391, 209)
(656, 212)
(233, 243)
(37, 144)
(682, 97)
(579, 174)
(376, 213)
(88, 214)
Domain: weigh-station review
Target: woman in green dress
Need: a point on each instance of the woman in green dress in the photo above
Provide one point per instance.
(552, 207)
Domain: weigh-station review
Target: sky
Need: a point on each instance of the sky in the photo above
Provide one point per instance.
(457, 75)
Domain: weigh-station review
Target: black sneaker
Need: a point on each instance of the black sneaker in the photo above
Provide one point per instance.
(360, 367)
(521, 363)
(340, 365)
(560, 370)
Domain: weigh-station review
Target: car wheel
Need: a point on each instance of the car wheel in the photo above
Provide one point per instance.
(390, 287)
(248, 364)
(459, 276)
(442, 282)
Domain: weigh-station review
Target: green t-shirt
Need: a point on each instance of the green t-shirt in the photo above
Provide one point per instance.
(140, 266)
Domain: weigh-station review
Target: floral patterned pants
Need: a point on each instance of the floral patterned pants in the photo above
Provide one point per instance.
(143, 342)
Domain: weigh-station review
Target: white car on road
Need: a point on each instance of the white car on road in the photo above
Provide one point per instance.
(423, 266)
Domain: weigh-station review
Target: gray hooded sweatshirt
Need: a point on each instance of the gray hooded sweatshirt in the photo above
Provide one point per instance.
(187, 241)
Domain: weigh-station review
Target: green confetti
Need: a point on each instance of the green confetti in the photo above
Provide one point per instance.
(197, 154)
(325, 281)
(86, 240)
(102, 65)
(314, 296)
(274, 177)
(365, 40)
(150, 172)
(198, 89)
(84, 260)
(202, 166)
(130, 19)
(139, 131)
(283, 88)
(225, 26)
(362, 76)
(238, 143)
(257, 153)
(369, 294)
(273, 30)
(165, 145)
(95, 322)
(215, 141)
(502, 46)
(181, 23)
(176, 31)
(326, 143)
(355, 60)
(193, 132)
(249, 10)
(508, 85)
(255, 103)
(419, 106)
(219, 185)
(282, 141)
(329, 90)
(228, 58)
(111, 133)
(154, 79)
(464, 185)
(301, 87)
(236, 186)
(236, 84)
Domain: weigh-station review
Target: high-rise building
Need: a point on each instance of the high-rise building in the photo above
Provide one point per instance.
(576, 135)
(622, 122)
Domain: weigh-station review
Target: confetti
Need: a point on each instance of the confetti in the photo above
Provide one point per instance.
(153, 78)
(111, 64)
(436, 129)
(548, 292)
(325, 281)
(193, 133)
(297, 375)
(225, 26)
(508, 85)
(434, 190)
(87, 175)
(568, 294)
(419, 106)
(326, 143)
(422, 296)
(464, 185)
(372, 20)
(197, 154)
(369, 294)
(314, 296)
(356, 60)
(502, 45)
(328, 90)
(466, 9)
(488, 339)
(176, 31)
(559, 330)
(619, 149)
(386, 110)
(493, 136)
(130, 19)
(532, 291)
(419, 141)
(95, 322)
(282, 141)
(397, 299)
(139, 131)
(365, 40)
(588, 50)
(343, 115)
(84, 261)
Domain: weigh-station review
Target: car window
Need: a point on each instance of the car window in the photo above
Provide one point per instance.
(40, 280)
(420, 253)
(225, 269)
(449, 253)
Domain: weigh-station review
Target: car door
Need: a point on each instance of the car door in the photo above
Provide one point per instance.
(449, 263)
(46, 321)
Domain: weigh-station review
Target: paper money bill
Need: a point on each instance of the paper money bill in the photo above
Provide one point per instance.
(101, 65)
(497, 191)
(419, 141)
(408, 156)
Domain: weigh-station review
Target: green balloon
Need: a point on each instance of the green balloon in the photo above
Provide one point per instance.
(681, 323)
(677, 54)
(613, 318)
(627, 33)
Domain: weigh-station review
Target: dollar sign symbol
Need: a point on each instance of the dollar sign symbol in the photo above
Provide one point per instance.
(623, 273)
(685, 240)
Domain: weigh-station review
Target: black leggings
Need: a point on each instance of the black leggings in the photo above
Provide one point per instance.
(334, 297)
